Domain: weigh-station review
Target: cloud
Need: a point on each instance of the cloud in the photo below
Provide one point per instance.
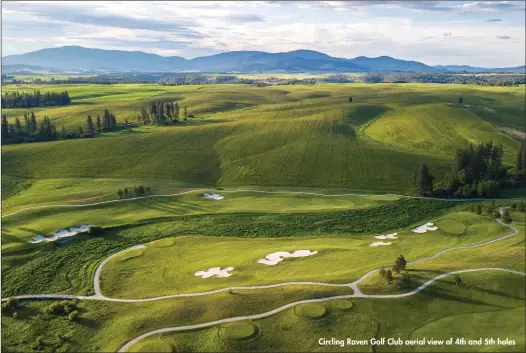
(446, 34)
(494, 20)
(245, 18)
(503, 37)
(98, 16)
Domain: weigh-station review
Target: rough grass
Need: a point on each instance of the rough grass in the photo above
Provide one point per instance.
(487, 295)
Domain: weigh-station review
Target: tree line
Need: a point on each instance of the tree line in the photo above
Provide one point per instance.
(35, 99)
(137, 191)
(477, 172)
(33, 130)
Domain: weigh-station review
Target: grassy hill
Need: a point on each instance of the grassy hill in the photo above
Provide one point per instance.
(272, 136)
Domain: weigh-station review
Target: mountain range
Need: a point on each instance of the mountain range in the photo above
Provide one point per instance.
(75, 58)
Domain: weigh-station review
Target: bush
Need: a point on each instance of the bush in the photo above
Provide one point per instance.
(382, 272)
(95, 231)
(73, 315)
(506, 217)
(514, 205)
(9, 305)
(61, 308)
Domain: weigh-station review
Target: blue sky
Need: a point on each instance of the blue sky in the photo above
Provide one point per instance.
(478, 33)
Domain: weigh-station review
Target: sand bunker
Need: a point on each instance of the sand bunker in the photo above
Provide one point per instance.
(387, 236)
(213, 196)
(426, 227)
(489, 110)
(64, 233)
(378, 243)
(215, 271)
(274, 258)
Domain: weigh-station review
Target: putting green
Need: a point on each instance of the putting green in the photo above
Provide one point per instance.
(238, 331)
(163, 243)
(451, 226)
(310, 310)
(157, 347)
(340, 305)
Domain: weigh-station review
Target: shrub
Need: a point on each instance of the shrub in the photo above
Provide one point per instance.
(506, 217)
(61, 308)
(73, 315)
(95, 231)
(382, 272)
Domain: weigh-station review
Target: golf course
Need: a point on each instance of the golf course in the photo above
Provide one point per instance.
(276, 218)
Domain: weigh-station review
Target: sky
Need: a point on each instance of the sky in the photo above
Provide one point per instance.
(477, 33)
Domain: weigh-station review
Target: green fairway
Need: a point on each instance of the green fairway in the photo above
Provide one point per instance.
(339, 259)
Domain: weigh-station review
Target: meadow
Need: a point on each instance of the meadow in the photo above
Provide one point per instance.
(301, 136)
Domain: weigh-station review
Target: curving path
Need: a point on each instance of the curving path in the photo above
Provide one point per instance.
(290, 305)
(241, 190)
(353, 285)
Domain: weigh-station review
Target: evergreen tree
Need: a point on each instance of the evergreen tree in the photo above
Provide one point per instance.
(91, 126)
(399, 264)
(99, 123)
(33, 124)
(522, 206)
(81, 132)
(423, 180)
(5, 129)
(18, 127)
(120, 193)
(126, 192)
(63, 133)
(176, 112)
(27, 125)
(389, 276)
(506, 217)
(478, 209)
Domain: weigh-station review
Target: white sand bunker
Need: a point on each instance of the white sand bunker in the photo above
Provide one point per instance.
(426, 227)
(274, 258)
(387, 236)
(378, 243)
(64, 233)
(213, 196)
(215, 271)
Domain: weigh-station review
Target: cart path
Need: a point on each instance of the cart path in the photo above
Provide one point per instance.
(242, 190)
(290, 305)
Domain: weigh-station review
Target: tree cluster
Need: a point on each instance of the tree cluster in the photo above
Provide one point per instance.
(31, 131)
(477, 172)
(161, 112)
(137, 191)
(35, 99)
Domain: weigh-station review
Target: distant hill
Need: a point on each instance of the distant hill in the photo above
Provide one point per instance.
(472, 69)
(86, 59)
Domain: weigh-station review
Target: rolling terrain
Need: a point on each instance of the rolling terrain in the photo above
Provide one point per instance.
(300, 167)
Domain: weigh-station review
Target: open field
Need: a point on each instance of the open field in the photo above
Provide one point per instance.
(273, 136)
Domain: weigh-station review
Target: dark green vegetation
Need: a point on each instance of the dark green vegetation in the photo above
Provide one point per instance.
(35, 99)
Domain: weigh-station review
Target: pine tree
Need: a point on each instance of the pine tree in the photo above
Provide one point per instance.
(5, 129)
(176, 112)
(33, 124)
(423, 180)
(99, 123)
(399, 264)
(506, 217)
(18, 127)
(81, 132)
(63, 133)
(91, 126)
(389, 276)
(478, 209)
